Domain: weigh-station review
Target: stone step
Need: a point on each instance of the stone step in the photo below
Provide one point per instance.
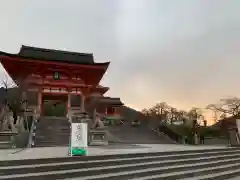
(53, 122)
(148, 170)
(43, 133)
(138, 135)
(42, 145)
(197, 173)
(45, 130)
(5, 138)
(49, 136)
(40, 136)
(163, 155)
(65, 141)
(46, 142)
(46, 136)
(159, 165)
(116, 163)
(52, 131)
(5, 144)
(53, 118)
(57, 130)
(48, 139)
(230, 175)
(52, 125)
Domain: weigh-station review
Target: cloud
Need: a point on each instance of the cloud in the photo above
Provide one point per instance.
(183, 52)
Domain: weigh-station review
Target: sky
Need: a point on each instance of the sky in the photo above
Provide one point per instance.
(183, 52)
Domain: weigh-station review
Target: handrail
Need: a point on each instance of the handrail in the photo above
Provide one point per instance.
(159, 133)
(164, 134)
(32, 130)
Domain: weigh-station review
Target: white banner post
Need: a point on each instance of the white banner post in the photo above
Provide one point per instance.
(238, 129)
(79, 139)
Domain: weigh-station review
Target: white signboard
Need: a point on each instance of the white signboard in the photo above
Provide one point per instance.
(79, 139)
(238, 125)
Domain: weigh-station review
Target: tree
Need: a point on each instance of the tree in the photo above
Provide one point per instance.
(144, 115)
(15, 101)
(165, 113)
(145, 112)
(152, 112)
(7, 84)
(161, 111)
(195, 115)
(161, 108)
(182, 116)
(173, 115)
(226, 107)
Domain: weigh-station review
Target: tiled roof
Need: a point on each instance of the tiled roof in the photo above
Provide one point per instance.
(107, 100)
(56, 55)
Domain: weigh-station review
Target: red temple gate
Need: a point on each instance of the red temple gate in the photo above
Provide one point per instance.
(55, 74)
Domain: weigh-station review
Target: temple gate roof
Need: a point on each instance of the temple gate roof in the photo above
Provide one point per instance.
(56, 55)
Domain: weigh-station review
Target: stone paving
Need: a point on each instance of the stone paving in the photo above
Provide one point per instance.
(51, 152)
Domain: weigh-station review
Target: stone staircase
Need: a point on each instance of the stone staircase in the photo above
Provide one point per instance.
(55, 131)
(5, 144)
(212, 164)
(6, 140)
(52, 131)
(125, 133)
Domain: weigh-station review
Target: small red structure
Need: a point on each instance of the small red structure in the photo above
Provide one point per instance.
(57, 75)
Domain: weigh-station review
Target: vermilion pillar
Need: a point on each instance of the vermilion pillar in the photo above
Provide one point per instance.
(106, 111)
(42, 106)
(39, 102)
(82, 103)
(69, 105)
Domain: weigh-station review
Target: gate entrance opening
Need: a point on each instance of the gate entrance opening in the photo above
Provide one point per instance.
(54, 105)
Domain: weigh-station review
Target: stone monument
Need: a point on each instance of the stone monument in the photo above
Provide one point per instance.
(97, 132)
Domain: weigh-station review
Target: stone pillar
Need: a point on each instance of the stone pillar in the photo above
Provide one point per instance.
(39, 105)
(94, 113)
(106, 111)
(233, 137)
(82, 103)
(69, 105)
(42, 106)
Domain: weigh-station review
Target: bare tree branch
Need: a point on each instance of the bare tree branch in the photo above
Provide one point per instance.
(6, 82)
(226, 107)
